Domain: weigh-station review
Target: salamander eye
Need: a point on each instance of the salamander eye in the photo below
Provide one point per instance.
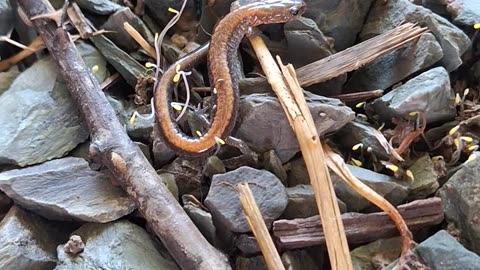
(294, 11)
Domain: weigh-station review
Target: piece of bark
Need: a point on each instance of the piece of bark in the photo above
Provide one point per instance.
(114, 149)
(359, 228)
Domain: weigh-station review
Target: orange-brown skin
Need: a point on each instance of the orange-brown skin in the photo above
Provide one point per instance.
(223, 80)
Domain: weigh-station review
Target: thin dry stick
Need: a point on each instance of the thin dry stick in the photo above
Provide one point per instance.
(256, 222)
(301, 121)
(140, 40)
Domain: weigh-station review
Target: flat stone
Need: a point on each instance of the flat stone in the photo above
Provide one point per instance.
(273, 164)
(79, 193)
(376, 255)
(429, 92)
(388, 187)
(302, 204)
(426, 179)
(247, 244)
(385, 16)
(442, 252)
(38, 117)
(224, 203)
(203, 221)
(113, 246)
(28, 241)
(330, 17)
(462, 205)
(465, 12)
(396, 66)
(263, 125)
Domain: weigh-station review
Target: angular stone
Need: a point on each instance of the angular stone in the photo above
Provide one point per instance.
(388, 187)
(462, 205)
(203, 221)
(28, 241)
(101, 7)
(385, 16)
(224, 203)
(272, 163)
(376, 255)
(425, 182)
(115, 245)
(188, 175)
(66, 189)
(263, 125)
(442, 252)
(429, 92)
(465, 12)
(247, 245)
(38, 117)
(396, 66)
(330, 16)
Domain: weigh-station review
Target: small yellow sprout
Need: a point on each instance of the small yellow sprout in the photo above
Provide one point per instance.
(156, 36)
(357, 146)
(471, 158)
(476, 26)
(410, 175)
(133, 118)
(95, 69)
(456, 142)
(437, 158)
(381, 127)
(357, 162)
(391, 167)
(453, 130)
(176, 78)
(173, 10)
(466, 139)
(199, 134)
(369, 149)
(472, 148)
(362, 116)
(149, 65)
(465, 92)
(361, 104)
(219, 141)
(177, 68)
(412, 113)
(177, 107)
(458, 99)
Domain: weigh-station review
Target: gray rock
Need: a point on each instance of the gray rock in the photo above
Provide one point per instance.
(465, 12)
(28, 241)
(247, 245)
(38, 117)
(101, 7)
(7, 78)
(66, 189)
(6, 17)
(162, 153)
(302, 204)
(425, 182)
(376, 255)
(120, 36)
(188, 175)
(461, 204)
(298, 260)
(388, 187)
(203, 221)
(398, 65)
(224, 203)
(273, 164)
(115, 245)
(169, 180)
(385, 16)
(263, 125)
(429, 92)
(330, 17)
(442, 252)
(257, 263)
(214, 166)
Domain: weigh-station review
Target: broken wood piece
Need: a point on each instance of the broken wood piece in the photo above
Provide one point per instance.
(359, 228)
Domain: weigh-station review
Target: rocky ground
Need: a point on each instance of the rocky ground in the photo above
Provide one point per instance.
(52, 191)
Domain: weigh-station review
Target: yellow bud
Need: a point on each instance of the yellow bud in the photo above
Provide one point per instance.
(95, 69)
(149, 65)
(456, 142)
(467, 139)
(177, 68)
(176, 78)
(476, 26)
(363, 116)
(472, 157)
(393, 168)
(133, 118)
(453, 130)
(356, 146)
(458, 99)
(357, 162)
(172, 10)
(410, 175)
(437, 158)
(466, 91)
(472, 147)
(381, 127)
(412, 113)
(219, 141)
(361, 104)
(199, 134)
(177, 107)
(156, 36)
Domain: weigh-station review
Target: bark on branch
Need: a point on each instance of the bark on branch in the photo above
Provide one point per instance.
(110, 143)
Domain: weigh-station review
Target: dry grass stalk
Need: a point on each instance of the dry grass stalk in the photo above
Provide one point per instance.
(256, 222)
(140, 40)
(301, 121)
